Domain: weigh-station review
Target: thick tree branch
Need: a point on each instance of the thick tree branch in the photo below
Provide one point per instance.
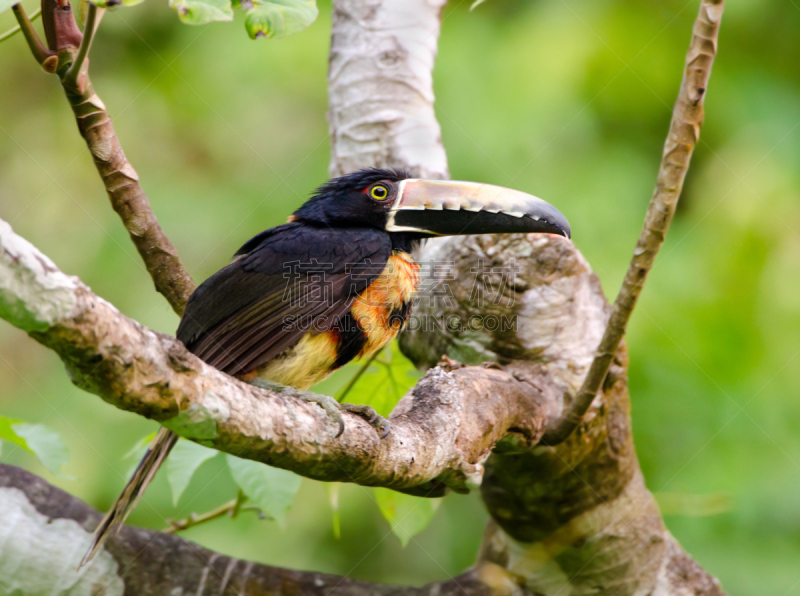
(684, 133)
(441, 431)
(380, 86)
(138, 561)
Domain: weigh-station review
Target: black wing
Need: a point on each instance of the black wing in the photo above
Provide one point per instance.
(240, 317)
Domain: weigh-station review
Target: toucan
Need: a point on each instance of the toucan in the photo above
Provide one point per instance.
(334, 283)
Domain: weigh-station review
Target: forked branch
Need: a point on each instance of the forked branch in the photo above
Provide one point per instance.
(67, 57)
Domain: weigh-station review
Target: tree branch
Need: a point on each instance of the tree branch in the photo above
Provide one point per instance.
(14, 30)
(684, 132)
(40, 53)
(380, 87)
(70, 78)
(575, 518)
(441, 431)
(138, 561)
(118, 175)
(232, 508)
(60, 29)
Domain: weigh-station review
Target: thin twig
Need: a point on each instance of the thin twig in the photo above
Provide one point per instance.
(34, 43)
(14, 30)
(92, 22)
(684, 133)
(232, 508)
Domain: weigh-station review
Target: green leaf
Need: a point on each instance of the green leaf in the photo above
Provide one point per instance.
(278, 18)
(200, 12)
(407, 515)
(7, 433)
(182, 463)
(47, 445)
(387, 380)
(476, 4)
(272, 490)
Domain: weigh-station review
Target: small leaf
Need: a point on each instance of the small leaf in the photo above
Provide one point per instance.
(278, 18)
(386, 381)
(7, 433)
(46, 444)
(272, 490)
(137, 451)
(407, 515)
(200, 12)
(476, 4)
(182, 463)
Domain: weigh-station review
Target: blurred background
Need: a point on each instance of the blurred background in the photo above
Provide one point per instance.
(567, 99)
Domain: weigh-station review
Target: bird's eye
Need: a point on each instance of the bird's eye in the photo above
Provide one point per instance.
(379, 192)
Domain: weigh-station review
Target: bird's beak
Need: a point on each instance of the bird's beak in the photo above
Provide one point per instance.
(451, 208)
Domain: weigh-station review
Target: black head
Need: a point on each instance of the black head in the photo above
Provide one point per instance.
(362, 198)
(392, 201)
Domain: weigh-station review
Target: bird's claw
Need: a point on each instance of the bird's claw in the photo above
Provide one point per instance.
(379, 423)
(332, 407)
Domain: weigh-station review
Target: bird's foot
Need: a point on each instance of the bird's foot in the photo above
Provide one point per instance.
(332, 407)
(376, 421)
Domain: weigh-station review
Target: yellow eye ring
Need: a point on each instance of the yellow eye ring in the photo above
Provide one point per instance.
(379, 192)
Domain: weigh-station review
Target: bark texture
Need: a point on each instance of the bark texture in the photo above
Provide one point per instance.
(380, 85)
(44, 528)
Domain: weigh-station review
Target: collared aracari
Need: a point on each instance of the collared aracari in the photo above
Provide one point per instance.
(335, 283)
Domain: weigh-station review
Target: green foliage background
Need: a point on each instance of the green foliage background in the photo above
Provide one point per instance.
(568, 99)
